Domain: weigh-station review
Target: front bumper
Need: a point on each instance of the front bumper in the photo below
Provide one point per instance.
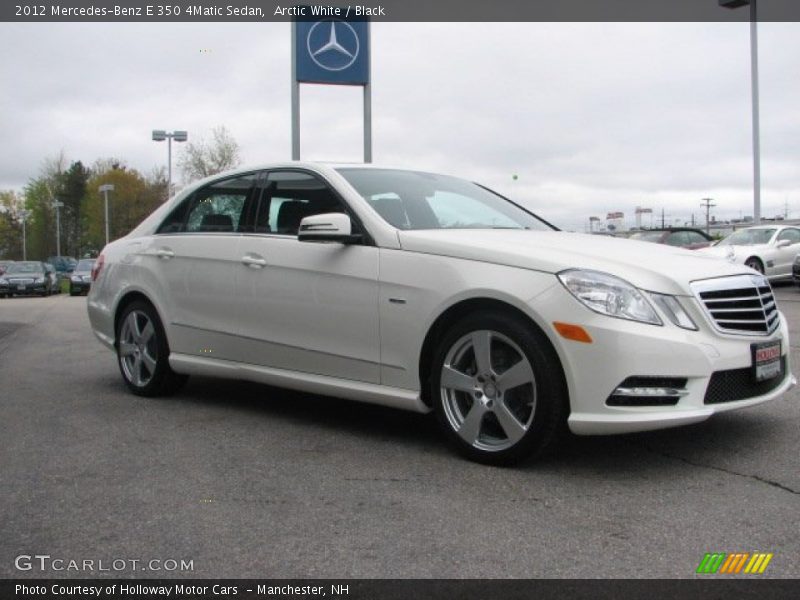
(79, 287)
(24, 290)
(622, 349)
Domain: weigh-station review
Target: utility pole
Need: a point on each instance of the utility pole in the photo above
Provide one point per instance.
(57, 204)
(23, 215)
(707, 204)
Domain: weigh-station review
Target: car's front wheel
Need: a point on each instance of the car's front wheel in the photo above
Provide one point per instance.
(143, 352)
(498, 388)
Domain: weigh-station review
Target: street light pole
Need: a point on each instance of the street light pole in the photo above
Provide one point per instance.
(57, 204)
(159, 135)
(104, 189)
(754, 101)
(23, 215)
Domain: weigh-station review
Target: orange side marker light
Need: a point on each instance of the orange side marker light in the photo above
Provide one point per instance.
(572, 332)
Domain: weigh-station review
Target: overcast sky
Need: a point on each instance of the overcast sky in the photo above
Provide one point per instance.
(592, 118)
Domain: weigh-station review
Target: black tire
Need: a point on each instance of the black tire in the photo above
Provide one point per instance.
(755, 263)
(541, 402)
(151, 375)
(73, 292)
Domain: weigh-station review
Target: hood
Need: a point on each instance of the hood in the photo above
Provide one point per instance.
(652, 267)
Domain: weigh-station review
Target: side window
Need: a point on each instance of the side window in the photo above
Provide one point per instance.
(678, 238)
(793, 235)
(218, 207)
(692, 237)
(288, 197)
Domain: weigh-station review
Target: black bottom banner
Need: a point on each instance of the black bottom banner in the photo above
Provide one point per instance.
(396, 589)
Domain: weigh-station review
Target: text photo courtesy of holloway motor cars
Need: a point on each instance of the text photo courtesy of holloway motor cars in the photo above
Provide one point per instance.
(310, 300)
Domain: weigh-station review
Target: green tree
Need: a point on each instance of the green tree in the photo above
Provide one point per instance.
(133, 198)
(11, 204)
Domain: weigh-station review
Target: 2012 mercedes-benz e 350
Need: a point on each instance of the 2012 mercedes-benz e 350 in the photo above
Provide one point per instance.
(431, 293)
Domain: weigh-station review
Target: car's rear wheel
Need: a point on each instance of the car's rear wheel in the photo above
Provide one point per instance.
(498, 389)
(143, 352)
(755, 263)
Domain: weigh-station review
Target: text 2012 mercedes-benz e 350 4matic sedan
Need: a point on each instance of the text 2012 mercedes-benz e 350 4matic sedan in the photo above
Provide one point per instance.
(431, 293)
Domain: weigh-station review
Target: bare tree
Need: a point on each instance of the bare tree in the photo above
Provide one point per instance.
(204, 158)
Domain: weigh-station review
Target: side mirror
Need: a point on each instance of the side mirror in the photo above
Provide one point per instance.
(328, 227)
(783, 243)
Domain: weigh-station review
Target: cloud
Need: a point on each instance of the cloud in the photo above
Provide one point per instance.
(592, 117)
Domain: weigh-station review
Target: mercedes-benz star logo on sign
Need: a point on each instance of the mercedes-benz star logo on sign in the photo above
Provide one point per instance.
(332, 45)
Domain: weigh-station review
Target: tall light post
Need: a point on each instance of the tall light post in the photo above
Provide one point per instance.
(754, 88)
(104, 189)
(23, 216)
(159, 135)
(57, 204)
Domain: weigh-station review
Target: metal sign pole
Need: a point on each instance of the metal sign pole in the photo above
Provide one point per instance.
(295, 98)
(756, 132)
(367, 123)
(368, 104)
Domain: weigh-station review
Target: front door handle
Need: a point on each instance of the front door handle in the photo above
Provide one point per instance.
(254, 262)
(164, 253)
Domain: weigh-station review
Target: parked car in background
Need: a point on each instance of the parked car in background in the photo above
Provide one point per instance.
(81, 279)
(64, 265)
(25, 279)
(4, 265)
(681, 237)
(432, 293)
(769, 249)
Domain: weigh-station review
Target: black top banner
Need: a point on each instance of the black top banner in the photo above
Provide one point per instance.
(400, 10)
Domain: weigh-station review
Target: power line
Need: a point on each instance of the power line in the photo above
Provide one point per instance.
(707, 203)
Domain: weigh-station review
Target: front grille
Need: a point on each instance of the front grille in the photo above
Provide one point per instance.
(20, 281)
(742, 304)
(740, 384)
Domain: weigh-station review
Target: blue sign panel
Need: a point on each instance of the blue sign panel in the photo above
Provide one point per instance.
(332, 51)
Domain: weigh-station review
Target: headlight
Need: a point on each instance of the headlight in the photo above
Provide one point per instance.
(609, 295)
(671, 307)
(76, 279)
(39, 280)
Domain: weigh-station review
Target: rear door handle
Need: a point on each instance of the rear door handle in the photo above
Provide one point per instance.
(164, 253)
(254, 262)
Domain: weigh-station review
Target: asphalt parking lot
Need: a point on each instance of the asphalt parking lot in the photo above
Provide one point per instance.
(251, 481)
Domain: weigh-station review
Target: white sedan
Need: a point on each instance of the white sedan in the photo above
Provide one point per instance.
(430, 293)
(769, 249)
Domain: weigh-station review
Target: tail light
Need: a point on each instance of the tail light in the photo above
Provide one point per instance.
(98, 266)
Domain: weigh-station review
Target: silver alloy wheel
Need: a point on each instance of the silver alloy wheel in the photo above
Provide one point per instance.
(137, 348)
(488, 390)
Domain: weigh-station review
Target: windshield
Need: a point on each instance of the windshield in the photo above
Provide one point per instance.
(748, 237)
(647, 236)
(85, 265)
(414, 200)
(25, 267)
